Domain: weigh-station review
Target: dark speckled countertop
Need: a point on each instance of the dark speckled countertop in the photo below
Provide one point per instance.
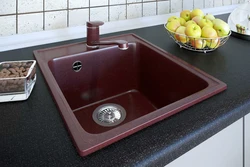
(32, 132)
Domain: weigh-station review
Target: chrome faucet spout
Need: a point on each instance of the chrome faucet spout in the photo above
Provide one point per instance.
(93, 39)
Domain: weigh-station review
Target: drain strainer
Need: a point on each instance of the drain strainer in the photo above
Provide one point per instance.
(109, 114)
(77, 66)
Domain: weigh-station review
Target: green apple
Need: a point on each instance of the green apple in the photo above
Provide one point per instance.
(173, 18)
(198, 43)
(193, 31)
(209, 17)
(205, 22)
(197, 12)
(197, 19)
(182, 21)
(189, 22)
(215, 21)
(221, 27)
(213, 43)
(208, 32)
(180, 34)
(212, 38)
(173, 25)
(185, 14)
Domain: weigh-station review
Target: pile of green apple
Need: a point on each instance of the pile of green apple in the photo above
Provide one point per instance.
(198, 29)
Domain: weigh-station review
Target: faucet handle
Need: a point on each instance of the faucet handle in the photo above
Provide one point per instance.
(94, 23)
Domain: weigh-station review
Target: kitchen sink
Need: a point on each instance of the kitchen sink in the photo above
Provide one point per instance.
(106, 94)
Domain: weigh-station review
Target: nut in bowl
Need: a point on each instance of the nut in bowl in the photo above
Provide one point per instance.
(197, 32)
(17, 79)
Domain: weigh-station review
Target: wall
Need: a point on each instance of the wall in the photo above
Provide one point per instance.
(25, 16)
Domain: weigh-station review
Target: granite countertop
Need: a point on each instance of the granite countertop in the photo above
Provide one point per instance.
(33, 133)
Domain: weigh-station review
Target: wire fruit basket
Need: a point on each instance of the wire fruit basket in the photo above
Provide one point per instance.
(198, 44)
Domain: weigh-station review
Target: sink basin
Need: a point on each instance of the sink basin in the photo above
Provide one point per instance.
(107, 94)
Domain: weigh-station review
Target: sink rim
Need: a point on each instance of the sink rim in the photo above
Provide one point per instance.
(87, 143)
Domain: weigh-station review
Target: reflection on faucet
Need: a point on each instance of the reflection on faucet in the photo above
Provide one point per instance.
(93, 39)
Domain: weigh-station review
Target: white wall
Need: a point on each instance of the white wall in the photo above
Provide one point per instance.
(26, 16)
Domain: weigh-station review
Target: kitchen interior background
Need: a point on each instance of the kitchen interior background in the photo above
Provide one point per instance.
(26, 16)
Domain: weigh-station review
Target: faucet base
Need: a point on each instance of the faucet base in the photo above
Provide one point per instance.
(92, 46)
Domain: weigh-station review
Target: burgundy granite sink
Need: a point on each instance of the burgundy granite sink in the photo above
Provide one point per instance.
(146, 82)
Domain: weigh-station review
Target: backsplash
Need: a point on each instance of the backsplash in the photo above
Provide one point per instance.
(25, 16)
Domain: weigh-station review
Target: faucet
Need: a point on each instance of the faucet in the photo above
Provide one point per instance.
(93, 39)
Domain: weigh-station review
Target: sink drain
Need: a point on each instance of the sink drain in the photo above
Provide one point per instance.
(109, 114)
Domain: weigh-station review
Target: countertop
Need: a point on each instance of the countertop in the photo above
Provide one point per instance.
(33, 132)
